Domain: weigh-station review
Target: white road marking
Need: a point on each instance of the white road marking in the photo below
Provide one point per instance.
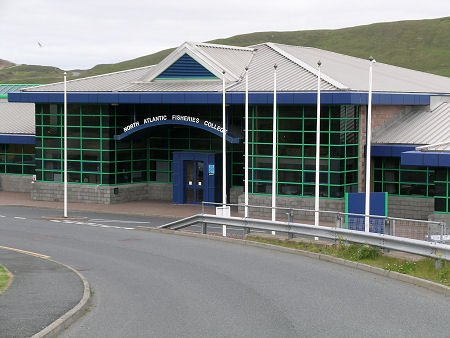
(117, 221)
(2, 216)
(16, 217)
(91, 224)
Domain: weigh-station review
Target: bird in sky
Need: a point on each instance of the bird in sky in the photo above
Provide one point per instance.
(39, 44)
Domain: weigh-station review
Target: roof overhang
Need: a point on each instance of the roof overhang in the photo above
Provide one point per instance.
(17, 139)
(335, 97)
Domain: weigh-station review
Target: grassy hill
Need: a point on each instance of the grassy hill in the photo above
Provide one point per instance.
(420, 44)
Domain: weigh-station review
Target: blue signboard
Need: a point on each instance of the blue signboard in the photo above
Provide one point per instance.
(355, 203)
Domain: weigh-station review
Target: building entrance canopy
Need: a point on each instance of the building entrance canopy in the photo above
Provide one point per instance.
(183, 120)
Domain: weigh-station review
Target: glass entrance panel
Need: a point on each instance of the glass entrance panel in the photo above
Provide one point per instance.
(194, 184)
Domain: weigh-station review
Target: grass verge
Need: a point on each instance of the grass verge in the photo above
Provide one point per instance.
(5, 278)
(424, 268)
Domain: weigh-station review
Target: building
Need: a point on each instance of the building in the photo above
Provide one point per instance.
(155, 132)
(17, 152)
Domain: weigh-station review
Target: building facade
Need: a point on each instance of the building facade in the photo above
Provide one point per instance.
(156, 132)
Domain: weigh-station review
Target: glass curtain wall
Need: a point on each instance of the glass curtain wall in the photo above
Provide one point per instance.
(94, 157)
(296, 151)
(412, 181)
(17, 159)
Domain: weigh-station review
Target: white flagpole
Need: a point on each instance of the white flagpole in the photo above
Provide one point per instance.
(246, 145)
(224, 154)
(274, 145)
(368, 149)
(65, 144)
(317, 190)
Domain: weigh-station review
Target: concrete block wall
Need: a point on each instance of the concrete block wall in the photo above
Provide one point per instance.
(295, 203)
(15, 183)
(410, 207)
(44, 191)
(235, 192)
(160, 191)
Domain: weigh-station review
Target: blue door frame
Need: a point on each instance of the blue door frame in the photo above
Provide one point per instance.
(210, 186)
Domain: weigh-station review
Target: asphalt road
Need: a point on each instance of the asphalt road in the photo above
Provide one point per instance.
(158, 285)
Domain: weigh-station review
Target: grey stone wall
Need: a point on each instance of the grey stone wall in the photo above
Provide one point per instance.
(235, 192)
(410, 207)
(160, 191)
(44, 191)
(16, 183)
(295, 203)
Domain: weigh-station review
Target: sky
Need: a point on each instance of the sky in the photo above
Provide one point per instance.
(79, 34)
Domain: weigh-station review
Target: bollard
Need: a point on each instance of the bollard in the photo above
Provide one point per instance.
(387, 227)
(290, 220)
(204, 229)
(338, 221)
(387, 231)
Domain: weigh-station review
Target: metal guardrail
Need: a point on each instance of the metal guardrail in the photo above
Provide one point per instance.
(418, 247)
(432, 231)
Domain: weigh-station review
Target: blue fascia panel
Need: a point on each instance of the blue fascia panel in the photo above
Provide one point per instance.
(305, 98)
(129, 98)
(258, 98)
(326, 98)
(390, 150)
(431, 159)
(444, 160)
(381, 151)
(397, 150)
(216, 98)
(285, 98)
(426, 159)
(341, 98)
(412, 158)
(108, 98)
(151, 97)
(196, 98)
(17, 139)
(56, 97)
(397, 99)
(237, 98)
(173, 98)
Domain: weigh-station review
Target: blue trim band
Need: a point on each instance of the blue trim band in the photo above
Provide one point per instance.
(17, 139)
(358, 98)
(390, 150)
(426, 159)
(141, 127)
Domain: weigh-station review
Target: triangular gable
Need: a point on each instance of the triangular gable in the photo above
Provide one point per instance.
(186, 68)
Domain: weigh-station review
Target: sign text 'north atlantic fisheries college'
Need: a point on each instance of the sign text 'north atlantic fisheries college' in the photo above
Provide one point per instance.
(153, 120)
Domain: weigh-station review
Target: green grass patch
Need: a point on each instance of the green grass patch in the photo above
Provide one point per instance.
(424, 268)
(5, 277)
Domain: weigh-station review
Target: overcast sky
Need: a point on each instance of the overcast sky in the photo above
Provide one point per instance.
(82, 33)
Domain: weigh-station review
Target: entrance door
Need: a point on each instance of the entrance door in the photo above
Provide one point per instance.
(194, 181)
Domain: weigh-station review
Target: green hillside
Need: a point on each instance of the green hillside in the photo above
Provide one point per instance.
(421, 45)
